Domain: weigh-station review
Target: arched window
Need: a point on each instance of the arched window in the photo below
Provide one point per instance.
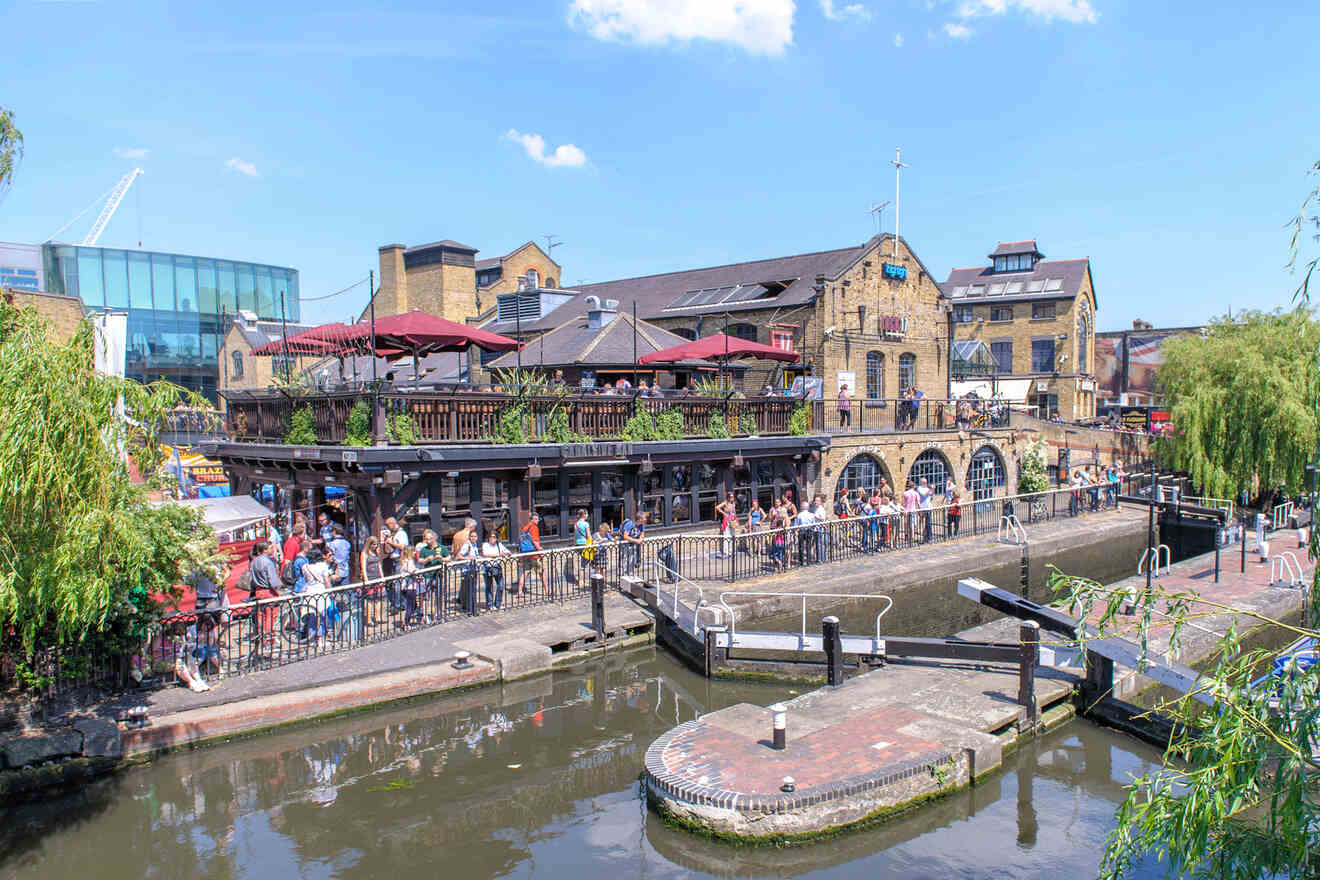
(907, 371)
(743, 331)
(875, 374)
(549, 282)
(685, 332)
(1083, 338)
(238, 365)
(863, 472)
(985, 474)
(933, 468)
(533, 279)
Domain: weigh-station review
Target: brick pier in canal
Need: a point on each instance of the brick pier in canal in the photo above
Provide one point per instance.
(913, 729)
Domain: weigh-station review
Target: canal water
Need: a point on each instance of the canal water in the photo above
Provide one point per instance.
(538, 779)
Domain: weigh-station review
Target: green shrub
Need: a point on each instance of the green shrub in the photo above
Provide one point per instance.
(669, 425)
(302, 428)
(512, 425)
(358, 430)
(717, 427)
(640, 426)
(1032, 474)
(401, 429)
(558, 431)
(800, 422)
(747, 423)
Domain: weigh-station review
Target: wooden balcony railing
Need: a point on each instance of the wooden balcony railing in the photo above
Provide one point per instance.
(467, 417)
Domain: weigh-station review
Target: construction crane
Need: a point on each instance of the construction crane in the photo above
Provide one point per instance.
(111, 199)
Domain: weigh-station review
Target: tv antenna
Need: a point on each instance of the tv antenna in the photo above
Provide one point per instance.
(899, 165)
(878, 212)
(550, 245)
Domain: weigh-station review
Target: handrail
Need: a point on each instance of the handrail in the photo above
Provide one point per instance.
(1224, 504)
(1280, 564)
(1009, 523)
(1161, 551)
(701, 596)
(733, 617)
(1280, 514)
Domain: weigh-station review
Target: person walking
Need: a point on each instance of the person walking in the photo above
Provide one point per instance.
(845, 407)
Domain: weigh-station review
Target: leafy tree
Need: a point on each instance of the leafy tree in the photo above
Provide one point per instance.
(11, 149)
(82, 551)
(1033, 477)
(1242, 402)
(1236, 796)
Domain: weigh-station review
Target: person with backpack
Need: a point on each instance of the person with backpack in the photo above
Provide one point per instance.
(291, 575)
(529, 545)
(633, 531)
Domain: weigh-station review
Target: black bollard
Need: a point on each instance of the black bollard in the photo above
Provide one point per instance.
(1029, 635)
(779, 726)
(829, 629)
(598, 604)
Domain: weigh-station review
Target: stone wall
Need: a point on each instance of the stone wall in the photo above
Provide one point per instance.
(898, 452)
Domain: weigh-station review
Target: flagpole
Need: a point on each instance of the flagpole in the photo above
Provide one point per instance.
(634, 329)
(372, 305)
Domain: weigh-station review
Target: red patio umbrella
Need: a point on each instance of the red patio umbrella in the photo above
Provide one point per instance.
(419, 333)
(717, 347)
(322, 339)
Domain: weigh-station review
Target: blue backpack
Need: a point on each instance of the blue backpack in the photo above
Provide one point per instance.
(525, 544)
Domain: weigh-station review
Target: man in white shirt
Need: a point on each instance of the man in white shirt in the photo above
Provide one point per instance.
(924, 494)
(805, 519)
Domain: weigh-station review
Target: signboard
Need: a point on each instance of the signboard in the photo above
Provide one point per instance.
(893, 326)
(1136, 418)
(208, 473)
(20, 266)
(898, 273)
(1109, 364)
(810, 387)
(849, 378)
(595, 450)
(588, 379)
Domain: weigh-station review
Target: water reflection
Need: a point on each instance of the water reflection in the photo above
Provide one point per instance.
(537, 777)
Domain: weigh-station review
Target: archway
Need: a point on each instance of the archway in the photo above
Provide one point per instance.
(986, 474)
(862, 472)
(934, 468)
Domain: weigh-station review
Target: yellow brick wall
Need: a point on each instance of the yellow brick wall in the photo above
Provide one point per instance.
(529, 256)
(898, 452)
(1075, 400)
(393, 296)
(63, 313)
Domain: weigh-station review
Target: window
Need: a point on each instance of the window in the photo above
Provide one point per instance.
(1042, 310)
(1001, 313)
(1002, 351)
(1047, 404)
(863, 472)
(1014, 263)
(782, 339)
(685, 332)
(549, 282)
(1042, 355)
(238, 365)
(962, 314)
(907, 372)
(932, 467)
(985, 474)
(743, 331)
(533, 279)
(1083, 341)
(875, 375)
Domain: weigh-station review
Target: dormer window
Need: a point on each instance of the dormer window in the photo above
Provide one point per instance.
(1015, 263)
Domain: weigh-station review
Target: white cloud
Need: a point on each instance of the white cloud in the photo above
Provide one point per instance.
(760, 26)
(237, 164)
(957, 31)
(898, 41)
(1075, 11)
(850, 11)
(564, 156)
(131, 152)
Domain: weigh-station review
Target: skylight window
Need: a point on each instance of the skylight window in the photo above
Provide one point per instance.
(996, 290)
(1054, 284)
(1013, 287)
(1035, 286)
(976, 290)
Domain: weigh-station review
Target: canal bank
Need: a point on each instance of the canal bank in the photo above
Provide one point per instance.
(893, 738)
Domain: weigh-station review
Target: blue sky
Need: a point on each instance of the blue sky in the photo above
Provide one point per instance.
(1168, 142)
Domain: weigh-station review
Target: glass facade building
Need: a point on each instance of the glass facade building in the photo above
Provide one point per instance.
(178, 306)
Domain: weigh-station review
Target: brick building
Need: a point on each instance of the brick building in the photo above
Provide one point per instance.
(239, 369)
(1038, 318)
(63, 313)
(868, 315)
(445, 278)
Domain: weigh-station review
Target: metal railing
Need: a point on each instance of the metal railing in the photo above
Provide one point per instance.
(804, 596)
(1224, 504)
(1285, 564)
(1160, 552)
(1011, 527)
(1280, 515)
